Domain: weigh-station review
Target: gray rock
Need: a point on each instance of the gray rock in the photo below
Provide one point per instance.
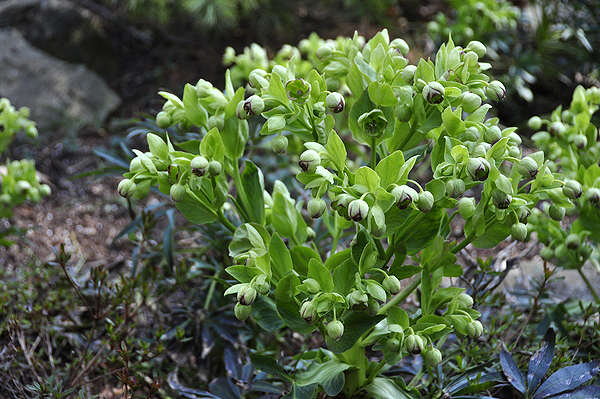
(58, 93)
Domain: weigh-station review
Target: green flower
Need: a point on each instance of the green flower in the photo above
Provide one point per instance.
(373, 123)
(298, 90)
(434, 92)
(335, 330)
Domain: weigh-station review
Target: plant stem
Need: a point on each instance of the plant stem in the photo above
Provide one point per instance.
(356, 377)
(373, 152)
(380, 249)
(589, 285)
(463, 243)
(402, 295)
(225, 221)
(375, 372)
(211, 290)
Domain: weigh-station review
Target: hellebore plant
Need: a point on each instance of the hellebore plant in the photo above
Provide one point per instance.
(407, 115)
(20, 182)
(570, 143)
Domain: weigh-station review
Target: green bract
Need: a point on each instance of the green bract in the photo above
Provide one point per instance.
(392, 118)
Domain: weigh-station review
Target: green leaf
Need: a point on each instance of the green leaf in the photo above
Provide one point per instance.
(265, 314)
(388, 168)
(320, 273)
(385, 388)
(280, 257)
(253, 188)
(540, 362)
(249, 236)
(157, 146)
(174, 99)
(336, 151)
(284, 215)
(298, 392)
(356, 324)
(212, 146)
(329, 375)
(382, 94)
(343, 277)
(277, 90)
(567, 379)
(453, 122)
(269, 366)
(398, 316)
(243, 274)
(290, 314)
(286, 287)
(355, 81)
(493, 236)
(194, 112)
(196, 211)
(511, 370)
(301, 255)
(418, 238)
(234, 136)
(368, 178)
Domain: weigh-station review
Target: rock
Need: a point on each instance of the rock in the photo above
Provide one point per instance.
(58, 93)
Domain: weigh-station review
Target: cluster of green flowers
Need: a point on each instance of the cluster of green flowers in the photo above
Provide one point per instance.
(570, 142)
(432, 113)
(20, 182)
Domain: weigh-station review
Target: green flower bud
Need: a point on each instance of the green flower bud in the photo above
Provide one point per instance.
(341, 201)
(414, 344)
(177, 192)
(496, 90)
(571, 211)
(393, 345)
(470, 102)
(335, 102)
(546, 253)
(534, 123)
(31, 131)
(466, 207)
(203, 88)
(325, 51)
(425, 201)
(126, 188)
(514, 151)
(45, 190)
(471, 134)
(481, 149)
(316, 207)
(404, 196)
(298, 90)
(593, 196)
(455, 188)
(561, 250)
(403, 112)
(199, 166)
(358, 210)
(477, 47)
(434, 93)
(432, 357)
(262, 286)
(247, 295)
(585, 251)
(478, 168)
(500, 199)
(215, 121)
(373, 123)
(470, 59)
(358, 301)
(547, 178)
(5, 198)
(401, 45)
(572, 189)
(492, 134)
(309, 160)
(258, 79)
(215, 168)
(518, 231)
(391, 284)
(579, 141)
(474, 329)
(308, 312)
(556, 212)
(465, 299)
(312, 285)
(310, 234)
(279, 144)
(335, 330)
(557, 129)
(408, 73)
(253, 105)
(523, 214)
(514, 139)
(527, 167)
(372, 307)
(136, 165)
(567, 116)
(163, 120)
(573, 241)
(242, 312)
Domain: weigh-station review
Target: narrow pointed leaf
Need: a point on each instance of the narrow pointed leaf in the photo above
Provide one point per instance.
(511, 371)
(540, 362)
(567, 379)
(589, 392)
(269, 366)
